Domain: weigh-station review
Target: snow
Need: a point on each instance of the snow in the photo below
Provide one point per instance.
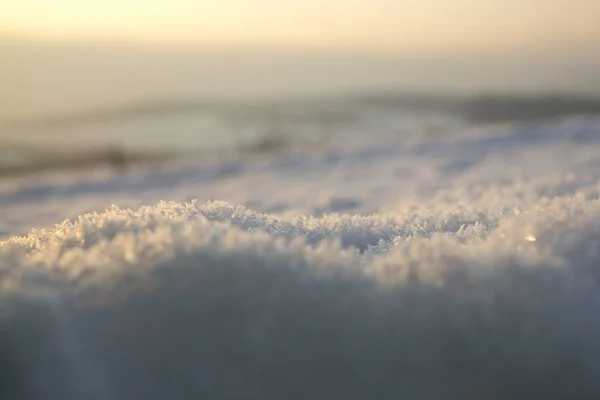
(462, 266)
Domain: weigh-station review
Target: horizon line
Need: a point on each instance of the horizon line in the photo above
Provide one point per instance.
(347, 46)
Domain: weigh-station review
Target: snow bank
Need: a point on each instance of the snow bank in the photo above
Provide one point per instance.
(442, 300)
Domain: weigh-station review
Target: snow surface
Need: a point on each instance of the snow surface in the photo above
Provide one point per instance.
(462, 266)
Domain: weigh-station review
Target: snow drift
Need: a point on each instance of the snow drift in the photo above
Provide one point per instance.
(454, 299)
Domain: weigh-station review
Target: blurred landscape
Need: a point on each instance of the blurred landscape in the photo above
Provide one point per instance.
(75, 105)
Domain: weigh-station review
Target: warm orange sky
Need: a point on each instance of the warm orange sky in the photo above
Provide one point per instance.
(395, 24)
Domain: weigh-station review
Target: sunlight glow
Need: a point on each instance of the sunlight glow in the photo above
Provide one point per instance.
(380, 23)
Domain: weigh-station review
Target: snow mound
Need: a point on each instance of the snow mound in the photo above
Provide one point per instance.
(191, 300)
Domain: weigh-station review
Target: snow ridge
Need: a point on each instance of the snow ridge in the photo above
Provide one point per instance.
(182, 300)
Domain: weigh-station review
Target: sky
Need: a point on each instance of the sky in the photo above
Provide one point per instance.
(398, 25)
(458, 45)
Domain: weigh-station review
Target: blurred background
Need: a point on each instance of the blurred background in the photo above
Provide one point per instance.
(88, 83)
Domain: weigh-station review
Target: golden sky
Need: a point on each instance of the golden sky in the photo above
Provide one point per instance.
(396, 24)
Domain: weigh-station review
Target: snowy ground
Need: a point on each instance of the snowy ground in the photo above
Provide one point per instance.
(458, 266)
